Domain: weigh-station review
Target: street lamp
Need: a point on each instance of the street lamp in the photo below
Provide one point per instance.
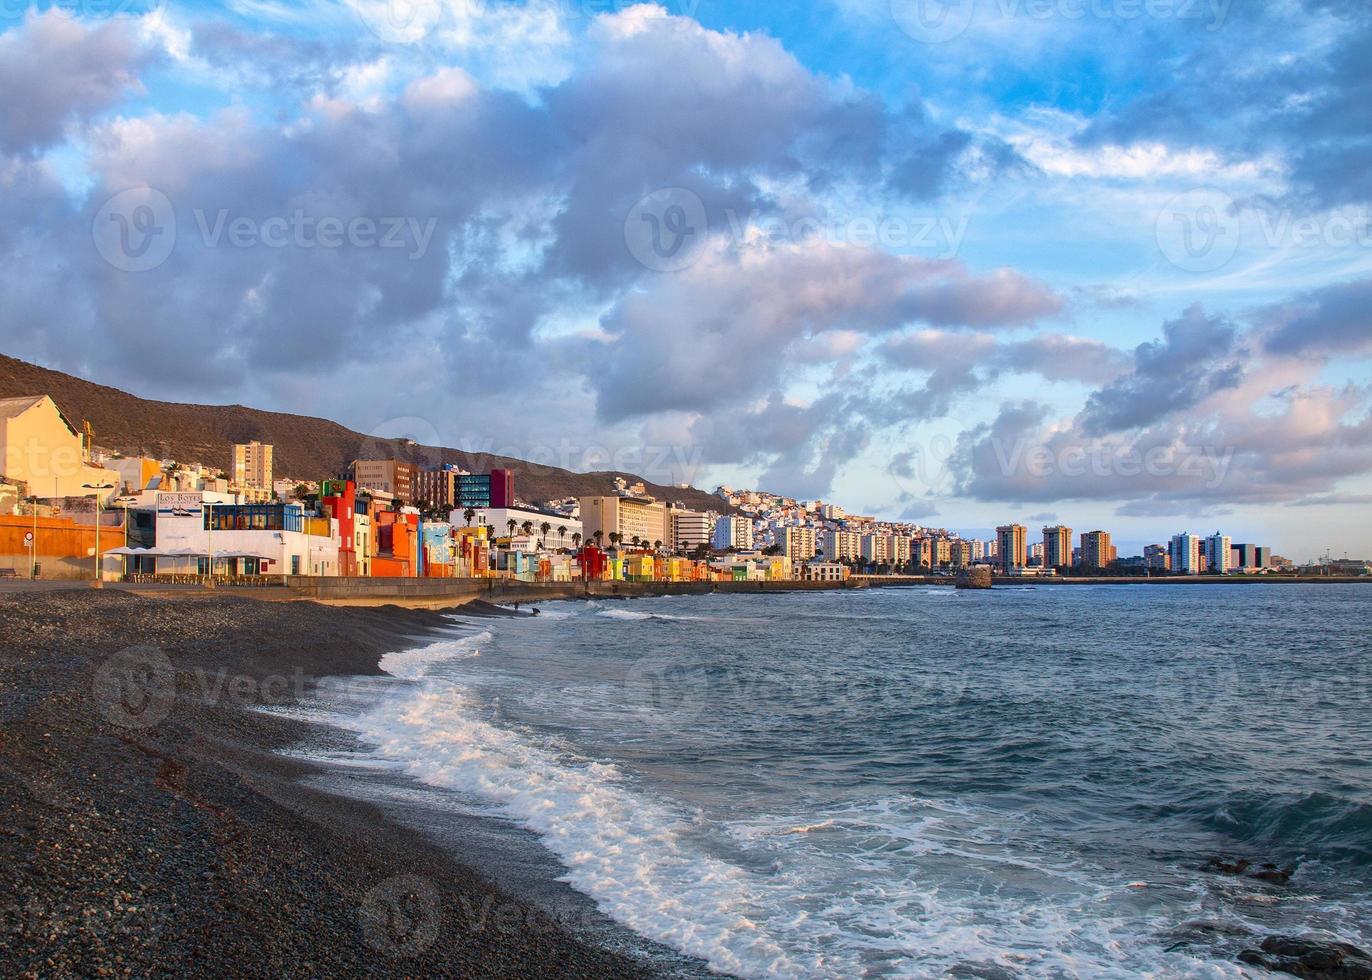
(33, 538)
(97, 487)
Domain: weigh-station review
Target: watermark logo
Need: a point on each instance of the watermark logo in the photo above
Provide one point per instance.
(666, 686)
(399, 21)
(136, 687)
(1199, 230)
(924, 464)
(933, 21)
(135, 230)
(663, 231)
(401, 916)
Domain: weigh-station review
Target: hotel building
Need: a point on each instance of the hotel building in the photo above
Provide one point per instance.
(1096, 549)
(1057, 547)
(1011, 547)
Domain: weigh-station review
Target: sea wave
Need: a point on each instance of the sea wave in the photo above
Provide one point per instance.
(1316, 825)
(413, 664)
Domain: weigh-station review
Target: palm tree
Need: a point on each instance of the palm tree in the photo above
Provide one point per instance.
(635, 541)
(657, 545)
(528, 528)
(561, 536)
(512, 524)
(545, 527)
(576, 541)
(598, 536)
(615, 537)
(468, 515)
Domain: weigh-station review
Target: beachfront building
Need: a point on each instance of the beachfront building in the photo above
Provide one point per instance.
(900, 551)
(876, 549)
(733, 532)
(824, 571)
(1096, 549)
(561, 529)
(1217, 553)
(1011, 547)
(1156, 558)
(1184, 554)
(797, 543)
(932, 551)
(690, 529)
(841, 544)
(196, 531)
(629, 517)
(43, 451)
(1057, 547)
(959, 553)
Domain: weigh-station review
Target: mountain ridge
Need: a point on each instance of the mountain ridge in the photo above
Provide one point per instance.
(305, 447)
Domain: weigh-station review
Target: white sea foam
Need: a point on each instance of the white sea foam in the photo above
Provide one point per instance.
(888, 886)
(413, 664)
(623, 614)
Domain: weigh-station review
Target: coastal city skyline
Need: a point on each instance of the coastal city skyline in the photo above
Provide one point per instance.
(53, 464)
(906, 274)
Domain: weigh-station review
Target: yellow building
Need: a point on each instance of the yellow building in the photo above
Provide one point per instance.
(1011, 549)
(629, 517)
(1057, 547)
(43, 450)
(252, 466)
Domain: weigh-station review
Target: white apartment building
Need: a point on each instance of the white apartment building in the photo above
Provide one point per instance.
(900, 550)
(733, 532)
(1184, 550)
(560, 529)
(690, 529)
(1218, 553)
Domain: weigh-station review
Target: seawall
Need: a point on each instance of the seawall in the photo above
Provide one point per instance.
(438, 592)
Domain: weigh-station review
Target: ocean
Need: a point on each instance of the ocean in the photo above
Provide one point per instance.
(1027, 781)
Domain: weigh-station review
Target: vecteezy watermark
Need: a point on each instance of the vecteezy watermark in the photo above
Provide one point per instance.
(665, 229)
(136, 687)
(302, 230)
(1201, 230)
(1208, 465)
(136, 230)
(678, 690)
(938, 236)
(940, 21)
(401, 916)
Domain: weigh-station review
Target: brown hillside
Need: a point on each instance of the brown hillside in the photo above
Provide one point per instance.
(305, 448)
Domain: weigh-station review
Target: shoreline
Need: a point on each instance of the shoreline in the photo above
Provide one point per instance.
(153, 828)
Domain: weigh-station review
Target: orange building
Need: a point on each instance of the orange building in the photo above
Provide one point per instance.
(397, 545)
(65, 549)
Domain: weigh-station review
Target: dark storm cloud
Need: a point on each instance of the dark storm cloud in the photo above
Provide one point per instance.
(1194, 359)
(1331, 320)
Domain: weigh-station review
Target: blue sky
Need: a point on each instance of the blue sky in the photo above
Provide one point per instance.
(1103, 262)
